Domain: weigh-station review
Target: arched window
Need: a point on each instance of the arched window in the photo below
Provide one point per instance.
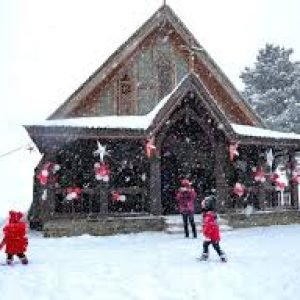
(164, 72)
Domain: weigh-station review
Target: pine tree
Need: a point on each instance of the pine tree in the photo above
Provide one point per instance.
(272, 87)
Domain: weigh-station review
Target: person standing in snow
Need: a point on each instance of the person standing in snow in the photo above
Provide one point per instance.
(210, 228)
(185, 197)
(15, 240)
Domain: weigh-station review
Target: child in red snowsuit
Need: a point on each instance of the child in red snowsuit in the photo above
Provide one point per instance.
(210, 229)
(15, 240)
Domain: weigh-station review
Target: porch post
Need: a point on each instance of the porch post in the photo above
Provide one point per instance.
(293, 185)
(48, 204)
(155, 185)
(103, 195)
(220, 175)
(51, 187)
(261, 196)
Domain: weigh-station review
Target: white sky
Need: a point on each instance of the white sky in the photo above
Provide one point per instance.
(48, 48)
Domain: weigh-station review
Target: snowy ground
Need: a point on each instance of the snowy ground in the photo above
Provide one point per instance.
(263, 264)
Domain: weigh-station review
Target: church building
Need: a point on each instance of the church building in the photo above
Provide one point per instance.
(157, 111)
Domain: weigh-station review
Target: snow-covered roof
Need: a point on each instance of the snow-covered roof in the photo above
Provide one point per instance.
(252, 131)
(114, 121)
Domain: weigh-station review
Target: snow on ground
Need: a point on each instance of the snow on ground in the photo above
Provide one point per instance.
(263, 264)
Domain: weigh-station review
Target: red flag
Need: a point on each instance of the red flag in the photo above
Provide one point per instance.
(150, 147)
(233, 153)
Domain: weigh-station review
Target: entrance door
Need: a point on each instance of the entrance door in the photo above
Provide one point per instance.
(186, 153)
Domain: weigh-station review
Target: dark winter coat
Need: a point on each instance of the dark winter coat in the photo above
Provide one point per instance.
(15, 240)
(186, 199)
(210, 227)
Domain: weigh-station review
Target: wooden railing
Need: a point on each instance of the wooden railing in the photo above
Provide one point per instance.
(90, 201)
(262, 198)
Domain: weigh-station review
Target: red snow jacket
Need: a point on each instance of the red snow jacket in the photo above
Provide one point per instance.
(186, 198)
(15, 240)
(210, 228)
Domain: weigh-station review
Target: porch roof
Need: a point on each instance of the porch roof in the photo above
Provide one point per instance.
(246, 130)
(263, 136)
(139, 122)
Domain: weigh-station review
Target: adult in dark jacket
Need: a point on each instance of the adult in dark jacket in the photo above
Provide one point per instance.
(15, 240)
(185, 197)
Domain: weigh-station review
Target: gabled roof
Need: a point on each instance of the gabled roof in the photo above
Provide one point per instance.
(162, 15)
(141, 127)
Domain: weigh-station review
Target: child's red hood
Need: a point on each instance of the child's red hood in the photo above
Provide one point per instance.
(15, 216)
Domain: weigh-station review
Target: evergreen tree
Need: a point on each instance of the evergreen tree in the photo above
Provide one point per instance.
(272, 87)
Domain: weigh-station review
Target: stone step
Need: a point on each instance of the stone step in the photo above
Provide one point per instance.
(179, 229)
(174, 223)
(177, 219)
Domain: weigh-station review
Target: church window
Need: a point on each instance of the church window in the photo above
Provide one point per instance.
(125, 99)
(164, 71)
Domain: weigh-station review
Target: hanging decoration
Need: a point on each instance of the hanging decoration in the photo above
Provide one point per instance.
(143, 177)
(233, 152)
(295, 177)
(73, 193)
(259, 174)
(117, 197)
(44, 195)
(48, 167)
(150, 147)
(43, 176)
(269, 158)
(278, 180)
(102, 171)
(239, 189)
(101, 151)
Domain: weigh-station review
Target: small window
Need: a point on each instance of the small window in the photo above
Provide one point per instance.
(125, 100)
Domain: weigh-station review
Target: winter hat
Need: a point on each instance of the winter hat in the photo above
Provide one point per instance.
(185, 182)
(209, 203)
(15, 216)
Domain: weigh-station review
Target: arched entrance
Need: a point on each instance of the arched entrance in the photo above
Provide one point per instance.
(186, 152)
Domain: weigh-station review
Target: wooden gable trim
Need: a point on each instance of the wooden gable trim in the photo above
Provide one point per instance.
(191, 84)
(230, 107)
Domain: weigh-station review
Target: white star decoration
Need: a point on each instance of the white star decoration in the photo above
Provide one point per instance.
(101, 151)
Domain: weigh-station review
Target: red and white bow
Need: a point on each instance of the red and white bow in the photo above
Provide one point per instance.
(239, 189)
(73, 193)
(102, 171)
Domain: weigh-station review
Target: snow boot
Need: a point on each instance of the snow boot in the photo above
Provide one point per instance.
(24, 260)
(204, 257)
(9, 261)
(223, 258)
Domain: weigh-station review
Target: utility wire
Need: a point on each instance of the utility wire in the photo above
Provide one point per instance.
(16, 150)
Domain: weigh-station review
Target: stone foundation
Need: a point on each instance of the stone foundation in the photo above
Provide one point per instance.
(240, 220)
(102, 226)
